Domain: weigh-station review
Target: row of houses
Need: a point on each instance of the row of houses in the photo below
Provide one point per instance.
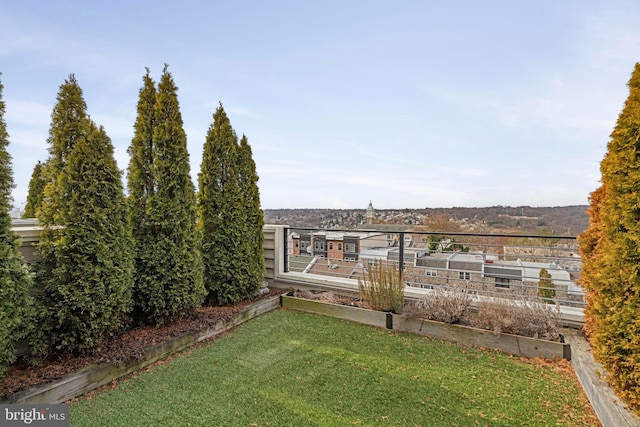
(349, 254)
(348, 246)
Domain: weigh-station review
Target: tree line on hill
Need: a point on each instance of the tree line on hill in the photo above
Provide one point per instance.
(110, 261)
(558, 220)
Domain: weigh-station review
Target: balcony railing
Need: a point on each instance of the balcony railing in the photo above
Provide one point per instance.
(488, 265)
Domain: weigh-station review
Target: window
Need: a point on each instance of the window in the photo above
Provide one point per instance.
(330, 246)
(297, 244)
(464, 275)
(431, 272)
(305, 246)
(501, 282)
(423, 286)
(339, 246)
(349, 247)
(318, 245)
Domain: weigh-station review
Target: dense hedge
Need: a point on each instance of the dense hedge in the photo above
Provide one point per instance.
(108, 261)
(610, 249)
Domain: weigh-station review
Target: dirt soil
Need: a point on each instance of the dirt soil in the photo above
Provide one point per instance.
(130, 345)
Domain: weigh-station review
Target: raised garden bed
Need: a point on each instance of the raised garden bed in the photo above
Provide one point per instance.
(514, 344)
(97, 375)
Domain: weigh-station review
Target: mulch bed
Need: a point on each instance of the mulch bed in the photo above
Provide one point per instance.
(130, 345)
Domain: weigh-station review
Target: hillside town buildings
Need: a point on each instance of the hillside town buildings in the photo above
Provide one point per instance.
(429, 261)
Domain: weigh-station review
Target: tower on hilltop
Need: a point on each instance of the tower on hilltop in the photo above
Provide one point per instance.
(370, 213)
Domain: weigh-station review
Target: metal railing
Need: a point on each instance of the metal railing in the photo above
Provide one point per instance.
(493, 265)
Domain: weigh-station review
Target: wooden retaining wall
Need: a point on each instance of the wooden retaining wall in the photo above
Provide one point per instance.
(514, 344)
(354, 314)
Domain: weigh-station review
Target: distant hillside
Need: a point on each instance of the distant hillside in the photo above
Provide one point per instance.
(571, 220)
(560, 220)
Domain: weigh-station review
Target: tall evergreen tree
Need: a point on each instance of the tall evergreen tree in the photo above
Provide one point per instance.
(87, 269)
(69, 123)
(254, 224)
(611, 253)
(142, 185)
(140, 179)
(15, 280)
(36, 191)
(220, 211)
(171, 282)
(230, 215)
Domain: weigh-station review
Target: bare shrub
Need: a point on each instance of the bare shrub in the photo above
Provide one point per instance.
(526, 318)
(446, 305)
(382, 289)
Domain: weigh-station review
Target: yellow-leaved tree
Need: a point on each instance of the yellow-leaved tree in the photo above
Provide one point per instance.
(610, 249)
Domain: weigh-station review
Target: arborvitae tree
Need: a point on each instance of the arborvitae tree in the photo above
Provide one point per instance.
(611, 253)
(172, 283)
(141, 182)
(230, 215)
(221, 212)
(69, 123)
(590, 252)
(254, 223)
(546, 288)
(36, 191)
(86, 272)
(90, 291)
(15, 280)
(142, 185)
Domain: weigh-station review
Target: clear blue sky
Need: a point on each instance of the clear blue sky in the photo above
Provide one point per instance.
(409, 104)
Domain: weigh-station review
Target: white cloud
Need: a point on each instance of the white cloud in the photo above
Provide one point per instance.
(29, 139)
(27, 113)
(233, 110)
(116, 127)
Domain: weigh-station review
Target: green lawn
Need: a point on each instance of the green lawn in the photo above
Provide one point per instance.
(287, 368)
